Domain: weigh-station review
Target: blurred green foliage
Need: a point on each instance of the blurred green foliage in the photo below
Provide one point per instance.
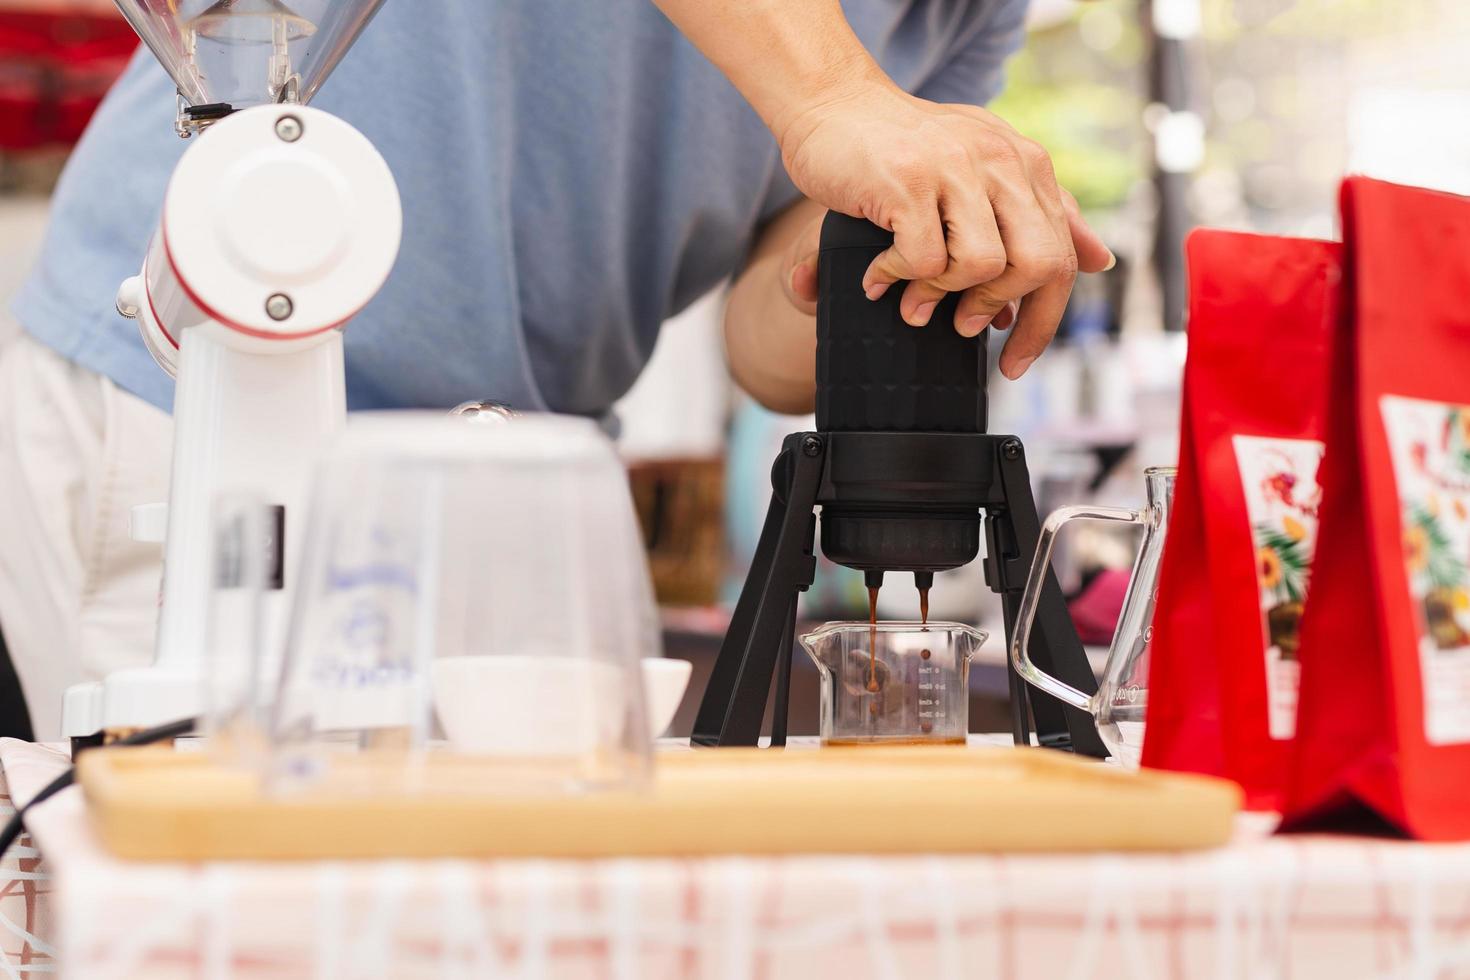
(1082, 101)
(1274, 81)
(1230, 21)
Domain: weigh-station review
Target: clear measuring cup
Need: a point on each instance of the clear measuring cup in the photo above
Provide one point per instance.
(1121, 701)
(894, 683)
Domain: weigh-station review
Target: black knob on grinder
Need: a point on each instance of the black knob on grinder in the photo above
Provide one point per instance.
(875, 373)
(895, 505)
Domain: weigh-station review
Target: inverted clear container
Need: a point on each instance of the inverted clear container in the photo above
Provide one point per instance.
(248, 52)
(894, 682)
(474, 592)
(240, 663)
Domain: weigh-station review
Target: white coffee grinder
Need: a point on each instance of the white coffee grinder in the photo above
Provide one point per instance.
(279, 224)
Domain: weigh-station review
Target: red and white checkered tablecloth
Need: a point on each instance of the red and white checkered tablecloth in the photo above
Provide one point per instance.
(25, 890)
(1290, 907)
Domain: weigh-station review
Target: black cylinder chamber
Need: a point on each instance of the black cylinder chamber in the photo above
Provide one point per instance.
(875, 373)
(892, 506)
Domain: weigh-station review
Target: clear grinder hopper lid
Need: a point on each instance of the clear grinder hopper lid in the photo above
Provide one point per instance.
(248, 52)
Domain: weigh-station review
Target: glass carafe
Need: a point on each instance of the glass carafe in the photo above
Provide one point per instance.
(894, 683)
(1121, 701)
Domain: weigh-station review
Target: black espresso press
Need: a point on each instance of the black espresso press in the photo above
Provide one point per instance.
(902, 469)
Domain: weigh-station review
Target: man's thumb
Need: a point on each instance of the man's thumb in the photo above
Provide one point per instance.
(799, 278)
(800, 284)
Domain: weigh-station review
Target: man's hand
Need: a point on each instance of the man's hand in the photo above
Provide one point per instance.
(974, 207)
(798, 275)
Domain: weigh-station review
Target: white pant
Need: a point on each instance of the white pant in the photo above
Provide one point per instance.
(78, 597)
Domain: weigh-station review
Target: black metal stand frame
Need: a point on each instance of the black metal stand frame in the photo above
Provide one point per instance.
(990, 474)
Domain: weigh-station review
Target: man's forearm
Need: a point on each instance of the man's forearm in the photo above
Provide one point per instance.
(786, 57)
(771, 345)
(770, 330)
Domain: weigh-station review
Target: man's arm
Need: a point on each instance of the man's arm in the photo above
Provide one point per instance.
(787, 57)
(770, 319)
(973, 205)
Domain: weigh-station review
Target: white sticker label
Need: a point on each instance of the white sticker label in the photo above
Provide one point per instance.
(1429, 443)
(1279, 477)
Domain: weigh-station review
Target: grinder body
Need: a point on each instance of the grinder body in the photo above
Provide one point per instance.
(280, 223)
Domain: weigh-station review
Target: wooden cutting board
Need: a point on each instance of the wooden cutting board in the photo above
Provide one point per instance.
(157, 804)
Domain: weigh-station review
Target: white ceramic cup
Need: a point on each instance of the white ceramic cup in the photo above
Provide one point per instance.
(664, 683)
(539, 705)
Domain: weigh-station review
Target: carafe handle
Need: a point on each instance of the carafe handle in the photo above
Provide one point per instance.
(1031, 597)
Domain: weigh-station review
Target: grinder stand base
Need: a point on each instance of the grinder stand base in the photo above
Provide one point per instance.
(762, 630)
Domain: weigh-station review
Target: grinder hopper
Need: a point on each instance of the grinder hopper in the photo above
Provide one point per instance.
(237, 53)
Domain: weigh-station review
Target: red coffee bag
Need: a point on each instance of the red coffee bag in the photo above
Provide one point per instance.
(1385, 700)
(1224, 675)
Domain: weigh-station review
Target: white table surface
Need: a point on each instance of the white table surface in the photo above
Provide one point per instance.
(1265, 906)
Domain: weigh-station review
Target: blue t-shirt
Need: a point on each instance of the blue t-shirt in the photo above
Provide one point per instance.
(572, 173)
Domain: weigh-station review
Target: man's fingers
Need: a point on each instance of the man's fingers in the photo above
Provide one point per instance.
(1035, 326)
(980, 304)
(976, 255)
(977, 252)
(1001, 321)
(1054, 269)
(799, 269)
(1034, 257)
(801, 285)
(977, 309)
(919, 250)
(1093, 254)
(918, 302)
(1023, 236)
(1053, 202)
(1042, 270)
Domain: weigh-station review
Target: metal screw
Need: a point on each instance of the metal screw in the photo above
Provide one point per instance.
(812, 446)
(289, 129)
(278, 307)
(1012, 449)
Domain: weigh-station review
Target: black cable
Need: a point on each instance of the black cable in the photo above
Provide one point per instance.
(15, 826)
(158, 733)
(15, 717)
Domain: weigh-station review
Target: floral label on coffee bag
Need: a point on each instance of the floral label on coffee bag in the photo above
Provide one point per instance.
(1279, 477)
(1430, 447)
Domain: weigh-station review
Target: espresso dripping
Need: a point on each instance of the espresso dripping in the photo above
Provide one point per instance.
(873, 630)
(873, 639)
